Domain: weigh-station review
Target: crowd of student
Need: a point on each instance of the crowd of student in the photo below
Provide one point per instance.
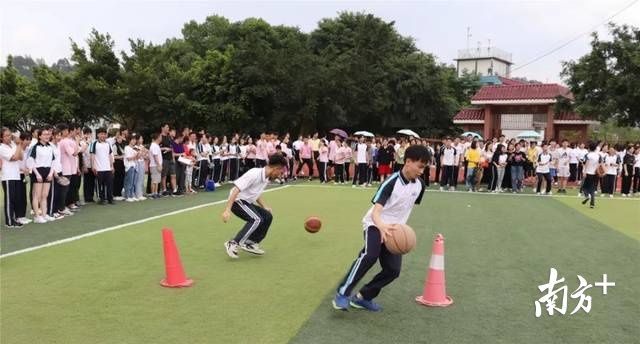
(53, 162)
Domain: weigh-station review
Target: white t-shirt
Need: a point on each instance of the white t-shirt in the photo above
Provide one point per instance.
(397, 195)
(637, 162)
(544, 160)
(297, 144)
(41, 156)
(460, 150)
(361, 154)
(103, 154)
(564, 156)
(251, 184)
(502, 159)
(611, 163)
(574, 155)
(10, 169)
(155, 155)
(449, 156)
(129, 153)
(55, 164)
(592, 159)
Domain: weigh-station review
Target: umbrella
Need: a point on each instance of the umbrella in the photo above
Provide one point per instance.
(408, 132)
(476, 135)
(363, 133)
(339, 132)
(529, 134)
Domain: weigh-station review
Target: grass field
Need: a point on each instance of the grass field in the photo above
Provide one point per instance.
(499, 248)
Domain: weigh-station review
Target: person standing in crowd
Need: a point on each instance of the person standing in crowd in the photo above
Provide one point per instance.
(40, 163)
(69, 151)
(386, 156)
(118, 164)
(155, 164)
(563, 165)
(59, 184)
(348, 157)
(399, 156)
(24, 140)
(168, 164)
(203, 152)
(102, 161)
(216, 154)
(553, 166)
(130, 158)
(233, 155)
(628, 171)
(636, 172)
(518, 159)
(360, 177)
(592, 162)
(11, 155)
(323, 161)
(178, 152)
(488, 173)
(542, 170)
(574, 156)
(499, 162)
(306, 158)
(141, 168)
(448, 160)
(250, 159)
(339, 163)
(315, 149)
(472, 156)
(437, 154)
(333, 148)
(611, 165)
(88, 178)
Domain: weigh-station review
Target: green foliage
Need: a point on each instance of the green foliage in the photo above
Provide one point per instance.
(610, 131)
(606, 81)
(354, 71)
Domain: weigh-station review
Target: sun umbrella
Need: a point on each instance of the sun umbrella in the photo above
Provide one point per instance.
(476, 135)
(363, 133)
(529, 134)
(408, 132)
(339, 132)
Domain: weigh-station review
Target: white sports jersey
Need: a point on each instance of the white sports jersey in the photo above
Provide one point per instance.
(251, 184)
(397, 195)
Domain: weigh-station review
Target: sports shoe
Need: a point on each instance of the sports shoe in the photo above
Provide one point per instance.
(141, 198)
(16, 226)
(361, 303)
(584, 201)
(118, 198)
(23, 220)
(53, 218)
(40, 219)
(130, 200)
(232, 249)
(66, 211)
(341, 302)
(252, 247)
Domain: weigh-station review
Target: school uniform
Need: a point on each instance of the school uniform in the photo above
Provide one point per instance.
(397, 195)
(636, 174)
(258, 220)
(118, 169)
(449, 162)
(88, 178)
(11, 185)
(591, 162)
(360, 176)
(543, 171)
(102, 155)
(233, 153)
(627, 173)
(611, 163)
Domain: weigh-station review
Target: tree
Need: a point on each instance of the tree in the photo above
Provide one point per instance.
(606, 82)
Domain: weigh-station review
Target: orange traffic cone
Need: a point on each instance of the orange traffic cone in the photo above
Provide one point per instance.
(435, 294)
(173, 266)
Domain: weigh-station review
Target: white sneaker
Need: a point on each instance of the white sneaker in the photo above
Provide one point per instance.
(252, 247)
(23, 220)
(40, 219)
(217, 185)
(451, 188)
(51, 218)
(118, 198)
(369, 185)
(129, 200)
(441, 188)
(610, 196)
(353, 185)
(73, 207)
(67, 211)
(232, 249)
(141, 198)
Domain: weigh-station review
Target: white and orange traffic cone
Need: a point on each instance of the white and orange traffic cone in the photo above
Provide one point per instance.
(435, 294)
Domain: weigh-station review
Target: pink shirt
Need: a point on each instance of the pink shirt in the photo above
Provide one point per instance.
(340, 156)
(305, 151)
(324, 154)
(68, 161)
(251, 151)
(271, 148)
(261, 150)
(333, 149)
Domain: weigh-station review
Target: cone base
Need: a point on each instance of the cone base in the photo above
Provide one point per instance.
(185, 283)
(447, 302)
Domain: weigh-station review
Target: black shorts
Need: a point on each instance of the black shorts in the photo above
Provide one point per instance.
(168, 168)
(44, 173)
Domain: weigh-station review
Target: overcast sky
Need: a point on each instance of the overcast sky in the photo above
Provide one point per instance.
(527, 29)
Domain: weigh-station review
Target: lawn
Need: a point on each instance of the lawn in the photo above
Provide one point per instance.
(499, 248)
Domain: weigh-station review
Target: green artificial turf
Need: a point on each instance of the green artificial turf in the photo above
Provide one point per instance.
(499, 248)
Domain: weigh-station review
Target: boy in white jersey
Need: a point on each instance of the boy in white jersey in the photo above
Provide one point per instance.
(392, 205)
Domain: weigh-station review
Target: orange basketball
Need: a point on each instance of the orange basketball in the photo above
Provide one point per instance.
(312, 224)
(402, 240)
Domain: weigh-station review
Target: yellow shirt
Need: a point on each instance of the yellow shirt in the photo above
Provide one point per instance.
(473, 157)
(315, 144)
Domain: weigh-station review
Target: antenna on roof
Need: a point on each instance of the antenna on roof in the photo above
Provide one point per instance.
(468, 36)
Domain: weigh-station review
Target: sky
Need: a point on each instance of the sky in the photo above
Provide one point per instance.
(526, 29)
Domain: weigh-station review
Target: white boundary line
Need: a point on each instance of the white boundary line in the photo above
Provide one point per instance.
(375, 187)
(108, 229)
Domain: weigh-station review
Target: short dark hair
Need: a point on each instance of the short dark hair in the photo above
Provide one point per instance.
(277, 160)
(417, 153)
(87, 130)
(154, 136)
(62, 127)
(25, 136)
(101, 130)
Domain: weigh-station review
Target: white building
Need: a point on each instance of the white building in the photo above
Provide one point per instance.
(484, 61)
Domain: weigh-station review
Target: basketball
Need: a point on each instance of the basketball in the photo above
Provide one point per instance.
(312, 224)
(402, 240)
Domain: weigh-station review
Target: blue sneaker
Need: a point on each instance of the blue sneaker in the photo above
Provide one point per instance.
(341, 302)
(360, 303)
